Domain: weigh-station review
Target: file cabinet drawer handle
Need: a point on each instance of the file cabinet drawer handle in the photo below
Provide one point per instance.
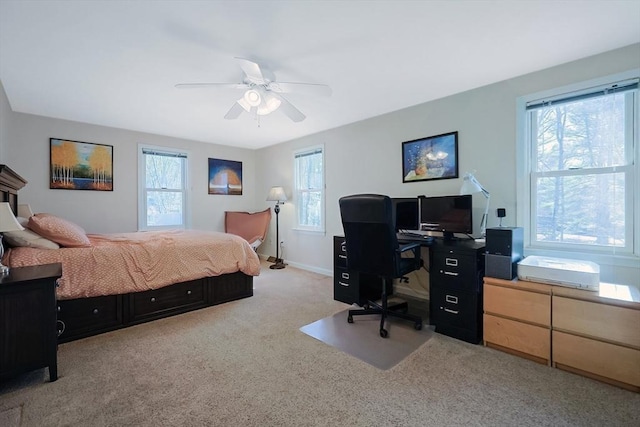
(451, 262)
(451, 298)
(345, 276)
(343, 284)
(342, 256)
(451, 311)
(450, 273)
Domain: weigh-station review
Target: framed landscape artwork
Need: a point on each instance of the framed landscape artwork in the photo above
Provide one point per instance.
(76, 165)
(433, 157)
(225, 177)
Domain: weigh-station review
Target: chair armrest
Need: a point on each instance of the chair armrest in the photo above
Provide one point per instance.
(407, 246)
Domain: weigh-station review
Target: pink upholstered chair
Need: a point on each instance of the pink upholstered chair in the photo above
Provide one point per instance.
(252, 227)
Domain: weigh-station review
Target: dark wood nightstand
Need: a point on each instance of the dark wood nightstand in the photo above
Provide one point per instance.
(28, 333)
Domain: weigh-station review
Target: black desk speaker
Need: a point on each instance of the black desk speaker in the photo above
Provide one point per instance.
(504, 249)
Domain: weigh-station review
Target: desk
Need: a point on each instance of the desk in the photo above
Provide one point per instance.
(456, 269)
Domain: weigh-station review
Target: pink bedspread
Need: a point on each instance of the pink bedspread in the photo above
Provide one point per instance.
(133, 262)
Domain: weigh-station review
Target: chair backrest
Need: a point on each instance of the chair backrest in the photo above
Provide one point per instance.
(252, 227)
(370, 235)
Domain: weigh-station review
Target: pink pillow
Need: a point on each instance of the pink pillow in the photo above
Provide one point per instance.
(61, 231)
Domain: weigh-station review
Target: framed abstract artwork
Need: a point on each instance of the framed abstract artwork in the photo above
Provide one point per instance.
(75, 165)
(430, 158)
(225, 177)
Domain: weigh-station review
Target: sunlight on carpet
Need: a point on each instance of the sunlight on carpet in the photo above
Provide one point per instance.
(362, 340)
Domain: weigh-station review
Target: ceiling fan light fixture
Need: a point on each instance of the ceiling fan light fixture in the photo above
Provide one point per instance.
(252, 97)
(244, 104)
(270, 104)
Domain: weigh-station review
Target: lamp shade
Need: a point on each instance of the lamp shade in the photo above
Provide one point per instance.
(470, 185)
(276, 194)
(8, 221)
(25, 211)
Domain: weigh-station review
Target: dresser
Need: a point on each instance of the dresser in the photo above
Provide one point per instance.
(455, 290)
(595, 334)
(28, 320)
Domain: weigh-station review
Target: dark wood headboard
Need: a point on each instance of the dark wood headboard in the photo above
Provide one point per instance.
(10, 183)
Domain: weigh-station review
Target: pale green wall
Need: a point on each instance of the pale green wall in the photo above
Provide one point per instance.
(366, 156)
(27, 152)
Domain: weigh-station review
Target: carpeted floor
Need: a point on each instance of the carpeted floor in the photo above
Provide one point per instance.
(247, 363)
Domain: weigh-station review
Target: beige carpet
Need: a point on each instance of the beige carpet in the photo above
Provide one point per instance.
(247, 363)
(362, 339)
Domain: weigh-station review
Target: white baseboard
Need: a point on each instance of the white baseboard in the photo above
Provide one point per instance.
(306, 267)
(398, 287)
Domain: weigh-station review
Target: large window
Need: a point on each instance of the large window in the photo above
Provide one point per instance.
(582, 169)
(162, 201)
(309, 188)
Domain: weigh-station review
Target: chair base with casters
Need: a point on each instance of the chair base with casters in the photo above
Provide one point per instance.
(385, 310)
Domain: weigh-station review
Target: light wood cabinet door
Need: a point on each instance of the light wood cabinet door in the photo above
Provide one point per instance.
(522, 337)
(600, 358)
(531, 307)
(606, 322)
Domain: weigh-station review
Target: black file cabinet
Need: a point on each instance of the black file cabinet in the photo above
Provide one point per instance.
(457, 270)
(351, 286)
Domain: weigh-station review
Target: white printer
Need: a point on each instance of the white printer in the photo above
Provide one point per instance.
(560, 271)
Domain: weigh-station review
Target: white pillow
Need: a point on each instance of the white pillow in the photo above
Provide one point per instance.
(29, 239)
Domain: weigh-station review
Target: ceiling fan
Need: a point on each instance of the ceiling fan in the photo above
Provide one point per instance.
(263, 94)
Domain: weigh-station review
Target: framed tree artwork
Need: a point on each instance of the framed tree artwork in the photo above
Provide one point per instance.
(76, 165)
(225, 177)
(430, 158)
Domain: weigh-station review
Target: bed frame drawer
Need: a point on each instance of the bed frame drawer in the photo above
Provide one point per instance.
(229, 287)
(79, 318)
(168, 300)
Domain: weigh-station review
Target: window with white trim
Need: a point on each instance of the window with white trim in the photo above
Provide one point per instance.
(162, 182)
(582, 169)
(309, 188)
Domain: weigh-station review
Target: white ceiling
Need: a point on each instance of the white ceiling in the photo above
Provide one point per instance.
(115, 63)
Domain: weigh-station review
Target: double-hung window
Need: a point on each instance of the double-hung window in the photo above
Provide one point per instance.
(582, 167)
(309, 188)
(162, 201)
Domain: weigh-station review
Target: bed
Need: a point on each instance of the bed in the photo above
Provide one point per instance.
(112, 281)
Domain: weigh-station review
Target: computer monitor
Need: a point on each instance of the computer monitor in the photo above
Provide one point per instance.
(448, 214)
(405, 210)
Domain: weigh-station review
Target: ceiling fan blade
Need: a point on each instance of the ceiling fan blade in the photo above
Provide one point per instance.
(213, 85)
(303, 88)
(252, 70)
(234, 112)
(289, 110)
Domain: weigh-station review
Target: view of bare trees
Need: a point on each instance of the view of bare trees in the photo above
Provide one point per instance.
(164, 189)
(580, 171)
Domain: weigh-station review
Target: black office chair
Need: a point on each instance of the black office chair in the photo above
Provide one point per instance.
(372, 247)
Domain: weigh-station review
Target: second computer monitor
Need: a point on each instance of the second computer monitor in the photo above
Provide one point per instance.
(406, 213)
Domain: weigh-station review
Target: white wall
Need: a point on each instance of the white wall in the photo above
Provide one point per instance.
(5, 114)
(361, 157)
(26, 151)
(366, 156)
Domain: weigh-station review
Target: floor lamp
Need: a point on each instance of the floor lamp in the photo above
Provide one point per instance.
(471, 185)
(276, 194)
